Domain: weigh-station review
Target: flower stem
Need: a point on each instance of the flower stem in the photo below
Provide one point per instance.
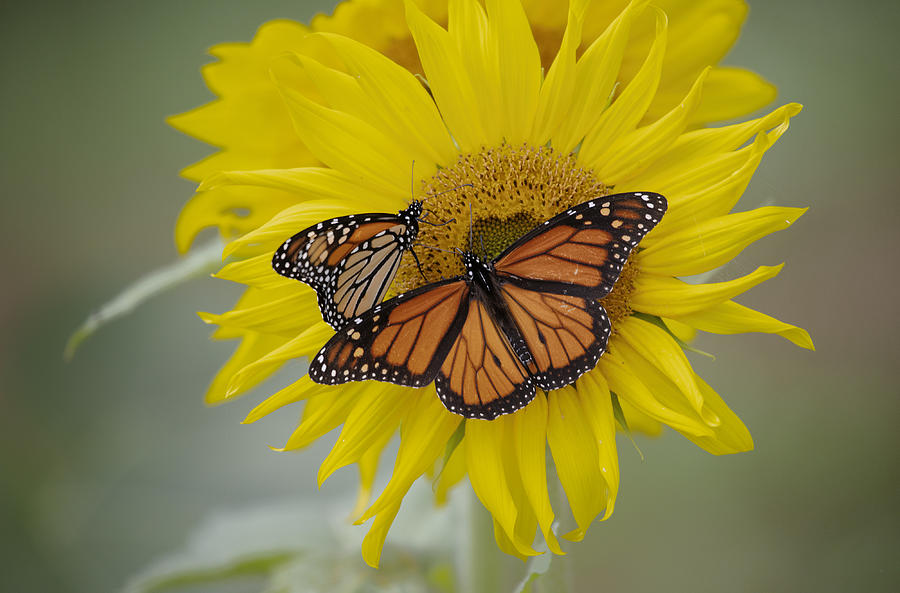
(477, 554)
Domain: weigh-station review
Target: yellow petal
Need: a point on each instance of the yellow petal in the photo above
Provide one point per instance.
(670, 395)
(637, 421)
(595, 400)
(468, 27)
(370, 425)
(373, 543)
(575, 456)
(448, 79)
(629, 108)
(253, 347)
(680, 330)
(299, 390)
(249, 121)
(267, 237)
(372, 23)
(731, 436)
(484, 461)
(670, 297)
(291, 310)
(629, 386)
(323, 412)
(255, 272)
(309, 184)
(233, 211)
(712, 141)
(713, 190)
(702, 32)
(530, 439)
(526, 519)
(709, 244)
(423, 438)
(664, 353)
(683, 180)
(368, 469)
(350, 144)
(634, 152)
(397, 100)
(305, 344)
(731, 93)
(518, 66)
(595, 78)
(731, 318)
(558, 91)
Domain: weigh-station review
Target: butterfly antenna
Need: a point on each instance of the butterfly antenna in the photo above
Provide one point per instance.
(470, 226)
(483, 250)
(446, 191)
(412, 180)
(437, 249)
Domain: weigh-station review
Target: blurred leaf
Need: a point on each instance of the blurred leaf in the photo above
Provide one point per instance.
(303, 548)
(200, 262)
(238, 544)
(320, 573)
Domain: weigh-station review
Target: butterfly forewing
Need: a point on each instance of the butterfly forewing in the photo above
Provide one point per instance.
(582, 250)
(402, 341)
(350, 261)
(481, 376)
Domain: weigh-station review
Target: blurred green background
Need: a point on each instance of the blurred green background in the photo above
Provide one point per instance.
(112, 460)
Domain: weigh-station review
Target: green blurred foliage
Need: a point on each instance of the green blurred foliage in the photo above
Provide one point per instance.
(111, 461)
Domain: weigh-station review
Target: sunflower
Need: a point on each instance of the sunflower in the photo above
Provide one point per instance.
(528, 140)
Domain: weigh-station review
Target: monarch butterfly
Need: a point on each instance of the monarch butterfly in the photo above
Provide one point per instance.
(529, 318)
(350, 261)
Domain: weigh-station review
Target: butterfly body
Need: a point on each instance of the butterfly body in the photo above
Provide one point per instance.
(489, 338)
(349, 261)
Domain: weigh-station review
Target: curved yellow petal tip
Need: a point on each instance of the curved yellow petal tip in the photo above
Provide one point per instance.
(803, 339)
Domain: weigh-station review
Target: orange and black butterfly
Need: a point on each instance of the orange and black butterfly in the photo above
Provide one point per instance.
(350, 261)
(529, 318)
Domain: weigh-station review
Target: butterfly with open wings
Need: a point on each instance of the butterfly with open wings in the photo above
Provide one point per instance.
(528, 319)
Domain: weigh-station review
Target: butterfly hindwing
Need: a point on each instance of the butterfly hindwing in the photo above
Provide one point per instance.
(404, 340)
(481, 376)
(565, 335)
(582, 250)
(362, 278)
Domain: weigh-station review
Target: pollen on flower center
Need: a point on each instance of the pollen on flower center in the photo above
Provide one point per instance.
(505, 192)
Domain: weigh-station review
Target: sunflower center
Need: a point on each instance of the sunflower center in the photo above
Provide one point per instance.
(488, 200)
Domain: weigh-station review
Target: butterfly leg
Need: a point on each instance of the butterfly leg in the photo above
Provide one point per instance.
(418, 264)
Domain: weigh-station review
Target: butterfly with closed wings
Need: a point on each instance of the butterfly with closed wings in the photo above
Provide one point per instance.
(350, 261)
(528, 319)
